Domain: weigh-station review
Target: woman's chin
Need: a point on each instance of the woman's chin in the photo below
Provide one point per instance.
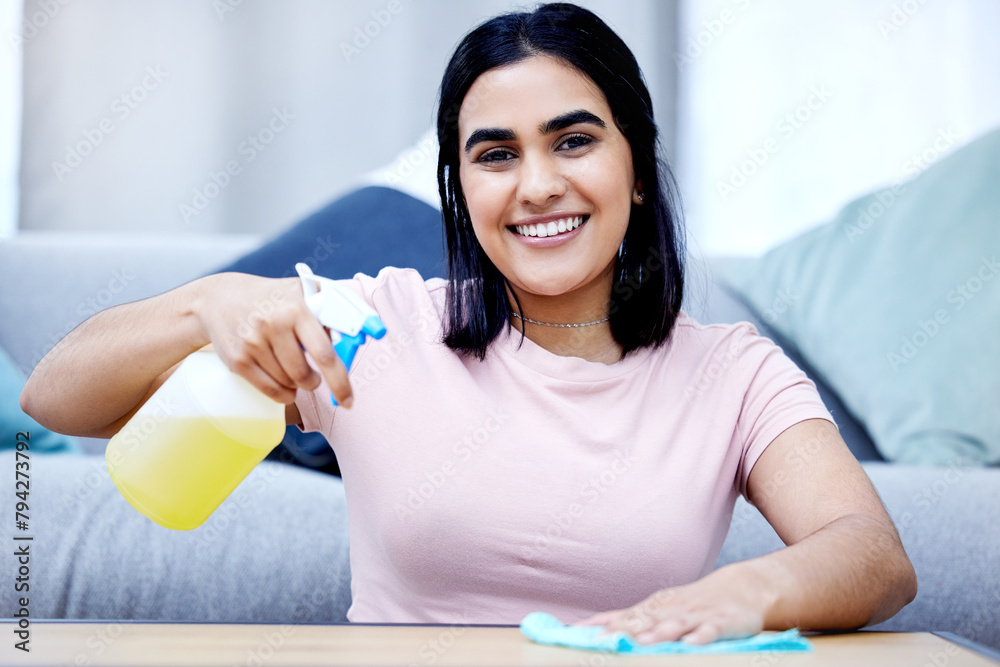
(550, 285)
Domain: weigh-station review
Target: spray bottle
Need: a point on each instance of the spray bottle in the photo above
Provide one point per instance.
(202, 432)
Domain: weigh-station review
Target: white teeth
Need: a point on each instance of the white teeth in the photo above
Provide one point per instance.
(551, 228)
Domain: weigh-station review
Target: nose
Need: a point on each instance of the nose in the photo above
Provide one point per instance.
(540, 181)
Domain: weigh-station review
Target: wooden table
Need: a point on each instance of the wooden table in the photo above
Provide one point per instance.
(139, 644)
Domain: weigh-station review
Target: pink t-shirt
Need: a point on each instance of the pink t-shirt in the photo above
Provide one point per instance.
(478, 492)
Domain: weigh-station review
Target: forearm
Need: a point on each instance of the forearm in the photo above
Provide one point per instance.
(103, 368)
(850, 573)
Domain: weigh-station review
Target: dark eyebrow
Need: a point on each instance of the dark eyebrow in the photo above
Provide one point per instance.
(548, 127)
(571, 118)
(493, 134)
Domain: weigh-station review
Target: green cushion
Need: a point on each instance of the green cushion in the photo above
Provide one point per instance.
(896, 302)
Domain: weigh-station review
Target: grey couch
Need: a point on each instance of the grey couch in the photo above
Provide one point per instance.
(276, 551)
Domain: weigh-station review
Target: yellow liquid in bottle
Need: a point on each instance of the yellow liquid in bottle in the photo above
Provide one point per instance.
(178, 471)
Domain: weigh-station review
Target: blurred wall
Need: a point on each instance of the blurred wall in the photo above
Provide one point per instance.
(10, 116)
(245, 115)
(788, 110)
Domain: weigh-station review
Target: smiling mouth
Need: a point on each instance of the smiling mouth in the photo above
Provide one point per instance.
(553, 228)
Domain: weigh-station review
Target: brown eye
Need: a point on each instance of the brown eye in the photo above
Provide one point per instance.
(496, 155)
(576, 141)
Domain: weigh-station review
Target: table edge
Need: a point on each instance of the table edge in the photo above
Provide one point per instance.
(966, 643)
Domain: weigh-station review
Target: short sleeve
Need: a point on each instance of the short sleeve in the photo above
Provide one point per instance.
(392, 294)
(778, 395)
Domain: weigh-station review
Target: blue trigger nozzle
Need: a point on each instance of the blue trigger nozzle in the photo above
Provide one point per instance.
(373, 327)
(341, 310)
(347, 347)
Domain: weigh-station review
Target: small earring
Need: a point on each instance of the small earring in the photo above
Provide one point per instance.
(641, 197)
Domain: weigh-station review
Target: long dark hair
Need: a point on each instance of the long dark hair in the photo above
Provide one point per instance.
(649, 271)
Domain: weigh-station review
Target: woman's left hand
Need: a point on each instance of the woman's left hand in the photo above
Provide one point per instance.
(722, 605)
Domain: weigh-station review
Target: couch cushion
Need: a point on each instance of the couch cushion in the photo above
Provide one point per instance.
(709, 301)
(896, 302)
(52, 281)
(360, 232)
(275, 551)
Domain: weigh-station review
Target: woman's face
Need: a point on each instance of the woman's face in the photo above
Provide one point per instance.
(540, 153)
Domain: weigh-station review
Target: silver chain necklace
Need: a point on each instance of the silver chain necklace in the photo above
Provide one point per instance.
(550, 324)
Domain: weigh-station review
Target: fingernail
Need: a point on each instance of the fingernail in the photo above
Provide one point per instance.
(347, 402)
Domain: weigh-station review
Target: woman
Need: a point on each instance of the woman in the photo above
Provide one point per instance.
(546, 430)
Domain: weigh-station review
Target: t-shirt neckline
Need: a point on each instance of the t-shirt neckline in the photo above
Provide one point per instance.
(573, 369)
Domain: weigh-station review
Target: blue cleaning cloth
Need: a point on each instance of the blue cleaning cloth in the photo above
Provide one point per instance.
(546, 629)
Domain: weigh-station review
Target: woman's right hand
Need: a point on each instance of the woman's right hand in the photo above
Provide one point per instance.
(261, 328)
(100, 374)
